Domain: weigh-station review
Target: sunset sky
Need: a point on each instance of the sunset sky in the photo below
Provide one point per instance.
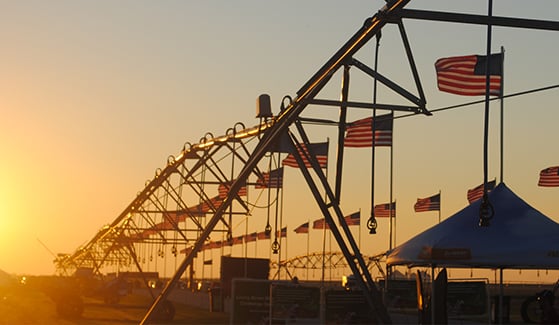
(95, 95)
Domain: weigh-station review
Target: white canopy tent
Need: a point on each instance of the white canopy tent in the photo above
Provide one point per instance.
(519, 237)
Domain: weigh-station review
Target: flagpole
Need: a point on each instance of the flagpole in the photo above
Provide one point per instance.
(308, 241)
(323, 250)
(329, 232)
(285, 255)
(280, 228)
(392, 222)
(440, 205)
(330, 252)
(359, 228)
(502, 91)
(324, 226)
(246, 246)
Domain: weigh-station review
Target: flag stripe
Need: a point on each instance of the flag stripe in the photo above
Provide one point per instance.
(263, 235)
(281, 233)
(320, 224)
(465, 75)
(384, 210)
(251, 237)
(549, 177)
(319, 150)
(273, 179)
(302, 229)
(360, 133)
(476, 193)
(223, 190)
(353, 219)
(432, 203)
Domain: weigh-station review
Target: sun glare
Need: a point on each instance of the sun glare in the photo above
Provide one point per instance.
(4, 213)
(8, 204)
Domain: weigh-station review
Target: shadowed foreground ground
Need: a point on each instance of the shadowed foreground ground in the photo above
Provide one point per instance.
(29, 304)
(26, 305)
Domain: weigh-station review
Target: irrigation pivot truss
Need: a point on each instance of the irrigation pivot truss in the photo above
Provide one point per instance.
(196, 199)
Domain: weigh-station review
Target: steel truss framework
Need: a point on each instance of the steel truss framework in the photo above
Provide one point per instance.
(327, 260)
(180, 207)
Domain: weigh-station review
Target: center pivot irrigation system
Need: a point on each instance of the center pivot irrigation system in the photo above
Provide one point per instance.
(217, 171)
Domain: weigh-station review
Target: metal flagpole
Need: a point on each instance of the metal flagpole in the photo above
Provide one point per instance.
(330, 252)
(322, 289)
(323, 251)
(324, 226)
(392, 219)
(280, 227)
(329, 233)
(308, 241)
(285, 254)
(246, 246)
(440, 205)
(359, 228)
(502, 90)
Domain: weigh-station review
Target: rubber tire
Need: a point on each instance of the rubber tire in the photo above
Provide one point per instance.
(530, 310)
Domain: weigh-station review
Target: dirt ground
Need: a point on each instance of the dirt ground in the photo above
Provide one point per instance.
(27, 305)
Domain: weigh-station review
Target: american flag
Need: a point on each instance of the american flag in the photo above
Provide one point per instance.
(319, 150)
(211, 205)
(237, 240)
(282, 233)
(320, 224)
(223, 190)
(163, 226)
(197, 209)
(171, 220)
(353, 219)
(263, 235)
(549, 177)
(148, 232)
(273, 179)
(360, 133)
(432, 203)
(302, 229)
(186, 250)
(476, 193)
(251, 237)
(216, 244)
(465, 75)
(385, 210)
(176, 216)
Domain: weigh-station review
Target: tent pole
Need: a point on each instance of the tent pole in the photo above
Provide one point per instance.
(501, 290)
(432, 304)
